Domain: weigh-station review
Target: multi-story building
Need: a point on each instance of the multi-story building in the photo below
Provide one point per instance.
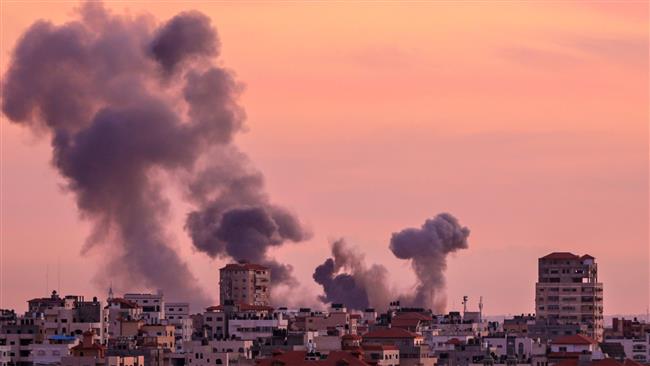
(568, 296)
(412, 348)
(117, 311)
(178, 315)
(153, 306)
(245, 283)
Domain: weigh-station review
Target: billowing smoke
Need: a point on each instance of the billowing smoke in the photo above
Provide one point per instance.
(130, 108)
(235, 219)
(346, 279)
(427, 248)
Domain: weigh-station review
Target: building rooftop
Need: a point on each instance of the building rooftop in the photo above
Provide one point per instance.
(334, 358)
(380, 347)
(124, 303)
(603, 362)
(561, 255)
(574, 339)
(241, 307)
(244, 267)
(390, 333)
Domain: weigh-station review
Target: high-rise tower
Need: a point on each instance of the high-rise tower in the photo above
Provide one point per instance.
(568, 296)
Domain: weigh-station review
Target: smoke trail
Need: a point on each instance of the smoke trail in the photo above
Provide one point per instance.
(128, 106)
(346, 279)
(427, 248)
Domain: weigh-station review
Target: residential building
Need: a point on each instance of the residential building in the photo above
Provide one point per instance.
(412, 349)
(245, 283)
(568, 296)
(178, 315)
(153, 306)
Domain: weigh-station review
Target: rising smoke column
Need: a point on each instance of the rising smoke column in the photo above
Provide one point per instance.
(346, 279)
(235, 219)
(129, 105)
(427, 247)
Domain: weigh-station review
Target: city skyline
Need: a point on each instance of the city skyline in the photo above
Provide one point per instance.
(411, 128)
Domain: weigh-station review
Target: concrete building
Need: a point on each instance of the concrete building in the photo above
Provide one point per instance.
(627, 328)
(296, 358)
(178, 315)
(153, 306)
(381, 354)
(54, 350)
(116, 311)
(86, 353)
(518, 325)
(634, 348)
(245, 283)
(568, 296)
(578, 348)
(412, 348)
(18, 338)
(217, 352)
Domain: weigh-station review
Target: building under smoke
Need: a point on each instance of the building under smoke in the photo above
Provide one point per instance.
(132, 108)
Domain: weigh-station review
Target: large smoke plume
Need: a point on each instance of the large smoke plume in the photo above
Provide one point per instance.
(346, 279)
(427, 247)
(130, 105)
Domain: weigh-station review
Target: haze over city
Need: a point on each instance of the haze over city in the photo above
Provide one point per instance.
(528, 122)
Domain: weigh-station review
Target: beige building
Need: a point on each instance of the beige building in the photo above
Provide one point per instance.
(568, 294)
(245, 283)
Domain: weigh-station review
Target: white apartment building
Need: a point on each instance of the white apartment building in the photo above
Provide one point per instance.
(178, 315)
(252, 329)
(637, 349)
(153, 306)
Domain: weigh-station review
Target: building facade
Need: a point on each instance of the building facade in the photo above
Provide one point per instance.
(244, 283)
(152, 305)
(568, 296)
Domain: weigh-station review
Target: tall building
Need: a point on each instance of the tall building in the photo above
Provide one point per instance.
(244, 283)
(568, 296)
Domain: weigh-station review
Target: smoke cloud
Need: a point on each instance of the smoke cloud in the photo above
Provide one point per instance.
(130, 105)
(346, 279)
(427, 247)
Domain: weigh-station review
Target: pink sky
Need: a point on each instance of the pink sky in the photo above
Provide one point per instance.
(527, 121)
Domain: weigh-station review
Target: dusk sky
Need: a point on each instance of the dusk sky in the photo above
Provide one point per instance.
(527, 121)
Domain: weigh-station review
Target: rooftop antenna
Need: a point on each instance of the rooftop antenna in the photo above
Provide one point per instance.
(480, 309)
(464, 305)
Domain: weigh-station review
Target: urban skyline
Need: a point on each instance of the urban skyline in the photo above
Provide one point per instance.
(137, 329)
(401, 122)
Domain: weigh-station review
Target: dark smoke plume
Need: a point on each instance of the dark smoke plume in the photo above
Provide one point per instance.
(346, 279)
(427, 248)
(128, 106)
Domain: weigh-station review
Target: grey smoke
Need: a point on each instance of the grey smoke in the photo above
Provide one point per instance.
(427, 248)
(95, 86)
(346, 279)
(186, 35)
